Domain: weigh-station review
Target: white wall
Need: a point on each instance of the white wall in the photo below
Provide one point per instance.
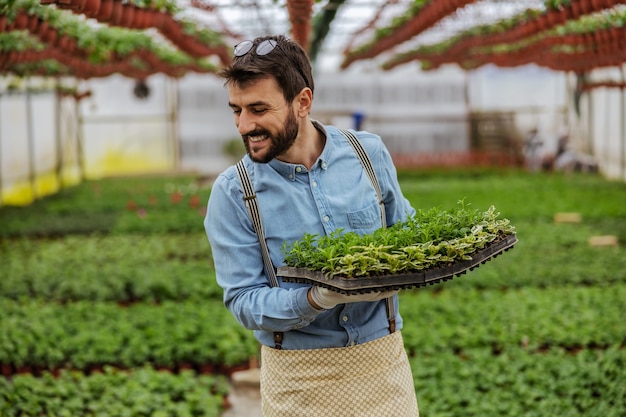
(185, 123)
(602, 128)
(37, 154)
(537, 96)
(124, 134)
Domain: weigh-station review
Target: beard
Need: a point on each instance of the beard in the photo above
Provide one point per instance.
(279, 143)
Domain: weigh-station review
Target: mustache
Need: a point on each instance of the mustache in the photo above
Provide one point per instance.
(255, 133)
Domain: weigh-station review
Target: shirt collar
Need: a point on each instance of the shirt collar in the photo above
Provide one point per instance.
(289, 171)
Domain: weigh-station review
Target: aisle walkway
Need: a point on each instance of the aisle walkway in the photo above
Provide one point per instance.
(245, 396)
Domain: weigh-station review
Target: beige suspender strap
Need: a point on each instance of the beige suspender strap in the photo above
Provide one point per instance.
(369, 169)
(249, 197)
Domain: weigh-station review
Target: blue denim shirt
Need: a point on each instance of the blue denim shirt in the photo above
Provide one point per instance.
(334, 194)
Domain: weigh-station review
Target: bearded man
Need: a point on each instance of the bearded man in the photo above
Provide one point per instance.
(322, 353)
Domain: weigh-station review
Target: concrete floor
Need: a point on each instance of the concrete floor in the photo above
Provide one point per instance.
(245, 394)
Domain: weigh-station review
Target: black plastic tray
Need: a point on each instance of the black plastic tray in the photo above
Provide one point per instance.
(430, 276)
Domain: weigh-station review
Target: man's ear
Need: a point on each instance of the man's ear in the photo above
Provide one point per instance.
(304, 101)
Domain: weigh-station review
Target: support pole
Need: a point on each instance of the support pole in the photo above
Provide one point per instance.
(173, 111)
(623, 120)
(1, 199)
(80, 148)
(57, 139)
(32, 169)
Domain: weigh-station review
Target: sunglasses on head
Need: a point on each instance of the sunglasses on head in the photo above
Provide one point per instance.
(264, 48)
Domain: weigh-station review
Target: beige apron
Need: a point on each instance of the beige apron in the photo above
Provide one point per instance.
(369, 380)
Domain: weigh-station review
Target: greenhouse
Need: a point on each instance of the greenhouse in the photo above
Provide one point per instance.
(505, 122)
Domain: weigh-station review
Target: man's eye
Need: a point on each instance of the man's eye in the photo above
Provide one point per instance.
(236, 111)
(259, 111)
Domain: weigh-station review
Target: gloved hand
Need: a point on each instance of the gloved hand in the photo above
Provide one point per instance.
(327, 299)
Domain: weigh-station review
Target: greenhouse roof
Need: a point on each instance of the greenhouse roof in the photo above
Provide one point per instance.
(354, 24)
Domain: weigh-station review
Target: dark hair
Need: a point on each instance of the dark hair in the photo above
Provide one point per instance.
(288, 64)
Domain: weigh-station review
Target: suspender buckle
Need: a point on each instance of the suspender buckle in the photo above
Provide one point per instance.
(278, 340)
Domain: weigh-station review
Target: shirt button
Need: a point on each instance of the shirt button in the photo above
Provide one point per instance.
(298, 169)
(344, 318)
(326, 218)
(314, 184)
(324, 165)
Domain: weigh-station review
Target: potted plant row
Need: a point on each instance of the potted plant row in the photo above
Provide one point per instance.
(86, 336)
(421, 15)
(603, 32)
(71, 40)
(186, 34)
(141, 392)
(528, 23)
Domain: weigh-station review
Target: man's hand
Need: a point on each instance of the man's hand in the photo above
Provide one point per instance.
(325, 299)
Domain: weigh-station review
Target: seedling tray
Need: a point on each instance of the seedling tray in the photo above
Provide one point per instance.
(429, 276)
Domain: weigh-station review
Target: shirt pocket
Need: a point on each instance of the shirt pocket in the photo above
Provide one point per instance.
(366, 218)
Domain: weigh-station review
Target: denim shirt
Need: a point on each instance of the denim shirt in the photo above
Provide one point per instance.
(334, 194)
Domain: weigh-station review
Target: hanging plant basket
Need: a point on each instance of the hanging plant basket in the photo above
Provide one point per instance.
(21, 21)
(90, 7)
(128, 16)
(105, 11)
(117, 13)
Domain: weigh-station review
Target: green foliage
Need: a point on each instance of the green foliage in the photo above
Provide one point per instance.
(234, 148)
(84, 335)
(536, 332)
(116, 205)
(101, 44)
(118, 268)
(143, 392)
(461, 318)
(425, 240)
(518, 382)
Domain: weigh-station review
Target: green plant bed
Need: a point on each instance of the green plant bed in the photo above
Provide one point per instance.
(457, 318)
(120, 268)
(519, 382)
(88, 335)
(114, 205)
(140, 392)
(521, 195)
(551, 255)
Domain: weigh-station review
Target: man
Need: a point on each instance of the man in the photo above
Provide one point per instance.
(322, 353)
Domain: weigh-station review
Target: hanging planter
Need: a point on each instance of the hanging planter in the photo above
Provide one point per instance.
(128, 15)
(116, 14)
(33, 23)
(21, 21)
(421, 16)
(89, 8)
(140, 20)
(105, 11)
(41, 30)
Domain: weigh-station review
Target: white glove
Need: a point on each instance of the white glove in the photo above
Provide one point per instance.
(327, 299)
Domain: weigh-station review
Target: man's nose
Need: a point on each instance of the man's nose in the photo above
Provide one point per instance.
(245, 123)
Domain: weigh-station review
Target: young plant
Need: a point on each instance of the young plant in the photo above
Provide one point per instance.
(427, 239)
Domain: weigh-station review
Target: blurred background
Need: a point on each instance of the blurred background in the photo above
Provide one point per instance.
(85, 94)
(113, 126)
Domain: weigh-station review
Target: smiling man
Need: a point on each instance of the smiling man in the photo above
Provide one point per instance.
(322, 353)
